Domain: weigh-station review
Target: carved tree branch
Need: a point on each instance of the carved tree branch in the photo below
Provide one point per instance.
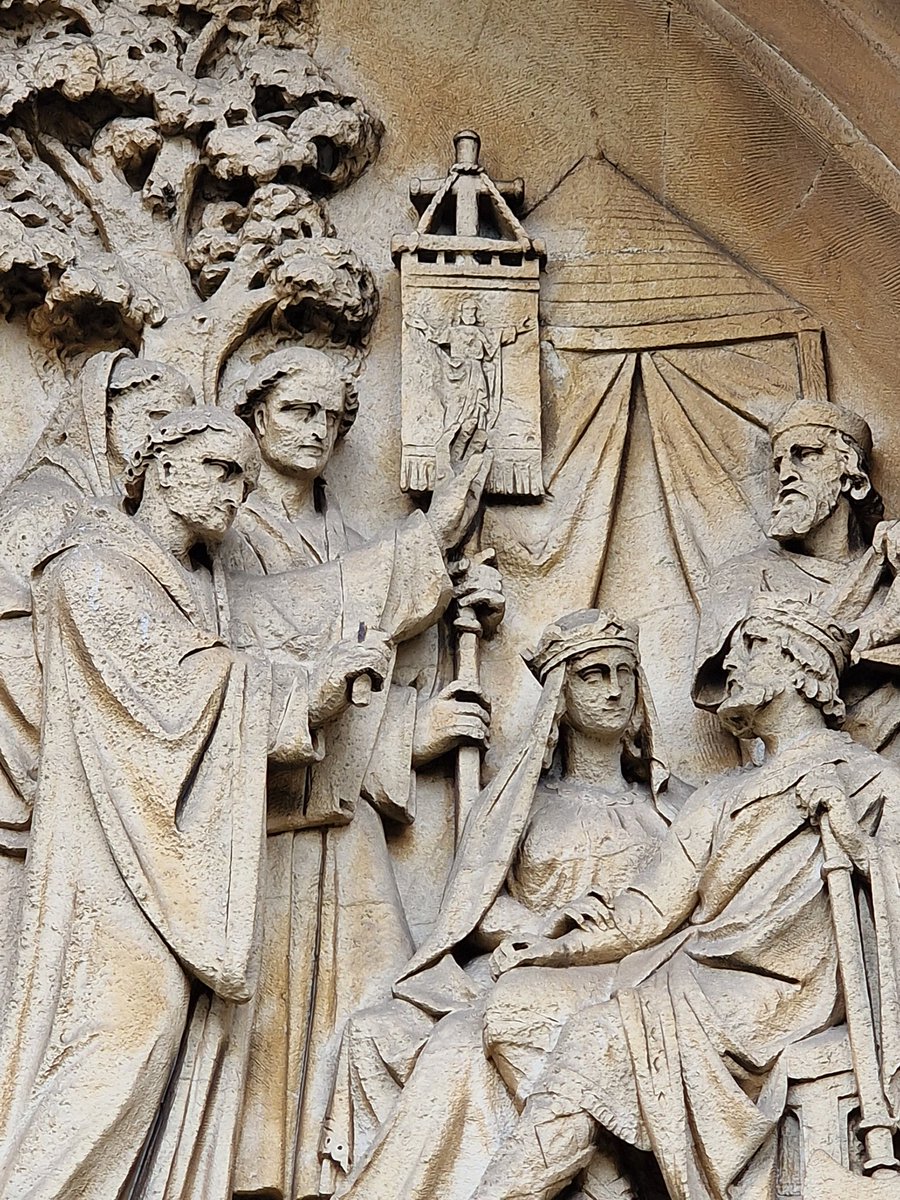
(127, 228)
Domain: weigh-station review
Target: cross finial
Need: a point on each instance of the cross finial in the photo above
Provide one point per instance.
(468, 148)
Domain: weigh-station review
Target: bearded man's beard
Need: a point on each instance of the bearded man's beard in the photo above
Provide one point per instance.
(801, 508)
(743, 702)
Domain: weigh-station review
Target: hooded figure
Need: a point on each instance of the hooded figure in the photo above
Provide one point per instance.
(81, 455)
(578, 809)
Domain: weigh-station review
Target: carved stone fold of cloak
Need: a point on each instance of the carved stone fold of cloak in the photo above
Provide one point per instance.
(143, 870)
(68, 465)
(687, 1058)
(335, 932)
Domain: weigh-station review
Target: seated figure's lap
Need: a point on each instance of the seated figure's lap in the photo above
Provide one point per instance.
(525, 1012)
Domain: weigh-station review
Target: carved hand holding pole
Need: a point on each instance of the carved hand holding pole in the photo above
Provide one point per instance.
(470, 628)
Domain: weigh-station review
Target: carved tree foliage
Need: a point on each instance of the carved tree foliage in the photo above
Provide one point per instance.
(162, 174)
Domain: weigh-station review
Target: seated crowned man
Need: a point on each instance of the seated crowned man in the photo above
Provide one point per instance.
(138, 934)
(724, 948)
(827, 544)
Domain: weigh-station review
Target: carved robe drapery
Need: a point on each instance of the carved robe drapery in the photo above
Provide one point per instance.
(144, 863)
(532, 845)
(67, 465)
(687, 1057)
(335, 932)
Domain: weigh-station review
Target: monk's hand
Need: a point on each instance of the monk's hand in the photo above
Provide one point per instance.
(332, 677)
(458, 715)
(521, 951)
(478, 585)
(457, 492)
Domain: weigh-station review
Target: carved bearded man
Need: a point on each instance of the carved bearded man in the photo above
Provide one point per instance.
(336, 933)
(824, 516)
(722, 952)
(143, 873)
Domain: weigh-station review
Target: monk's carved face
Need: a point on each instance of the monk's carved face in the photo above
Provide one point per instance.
(601, 692)
(205, 480)
(810, 469)
(297, 422)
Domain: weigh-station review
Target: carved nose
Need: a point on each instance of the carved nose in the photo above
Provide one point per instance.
(787, 472)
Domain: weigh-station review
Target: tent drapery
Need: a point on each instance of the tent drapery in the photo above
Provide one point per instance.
(657, 469)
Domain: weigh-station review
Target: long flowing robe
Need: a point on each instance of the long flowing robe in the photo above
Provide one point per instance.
(68, 465)
(687, 1057)
(538, 842)
(145, 857)
(335, 933)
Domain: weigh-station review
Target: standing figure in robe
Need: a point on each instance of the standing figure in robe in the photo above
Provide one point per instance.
(147, 839)
(81, 455)
(472, 359)
(579, 809)
(827, 546)
(723, 949)
(336, 934)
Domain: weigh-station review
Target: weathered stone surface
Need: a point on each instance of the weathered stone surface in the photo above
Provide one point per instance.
(449, 619)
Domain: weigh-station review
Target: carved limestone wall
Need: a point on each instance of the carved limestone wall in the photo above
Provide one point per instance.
(449, 619)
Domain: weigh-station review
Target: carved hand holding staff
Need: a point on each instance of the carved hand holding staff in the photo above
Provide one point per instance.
(471, 373)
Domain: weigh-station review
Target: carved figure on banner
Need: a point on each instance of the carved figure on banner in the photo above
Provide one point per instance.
(473, 295)
(146, 845)
(580, 808)
(724, 952)
(472, 356)
(327, 858)
(828, 546)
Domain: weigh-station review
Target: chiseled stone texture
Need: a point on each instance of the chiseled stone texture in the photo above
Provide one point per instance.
(449, 625)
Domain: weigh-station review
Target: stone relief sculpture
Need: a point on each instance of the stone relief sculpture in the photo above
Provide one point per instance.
(168, 194)
(726, 945)
(327, 857)
(140, 861)
(243, 741)
(82, 455)
(578, 809)
(828, 546)
(470, 327)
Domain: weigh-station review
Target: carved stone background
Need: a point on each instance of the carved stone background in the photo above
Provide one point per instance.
(717, 185)
(770, 142)
(774, 147)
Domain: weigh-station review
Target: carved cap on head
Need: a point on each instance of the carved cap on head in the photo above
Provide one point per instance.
(131, 372)
(772, 617)
(825, 415)
(577, 633)
(314, 364)
(177, 427)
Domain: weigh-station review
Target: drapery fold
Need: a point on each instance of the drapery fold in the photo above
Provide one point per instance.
(657, 468)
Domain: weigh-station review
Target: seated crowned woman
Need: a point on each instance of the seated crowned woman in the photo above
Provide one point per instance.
(572, 816)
